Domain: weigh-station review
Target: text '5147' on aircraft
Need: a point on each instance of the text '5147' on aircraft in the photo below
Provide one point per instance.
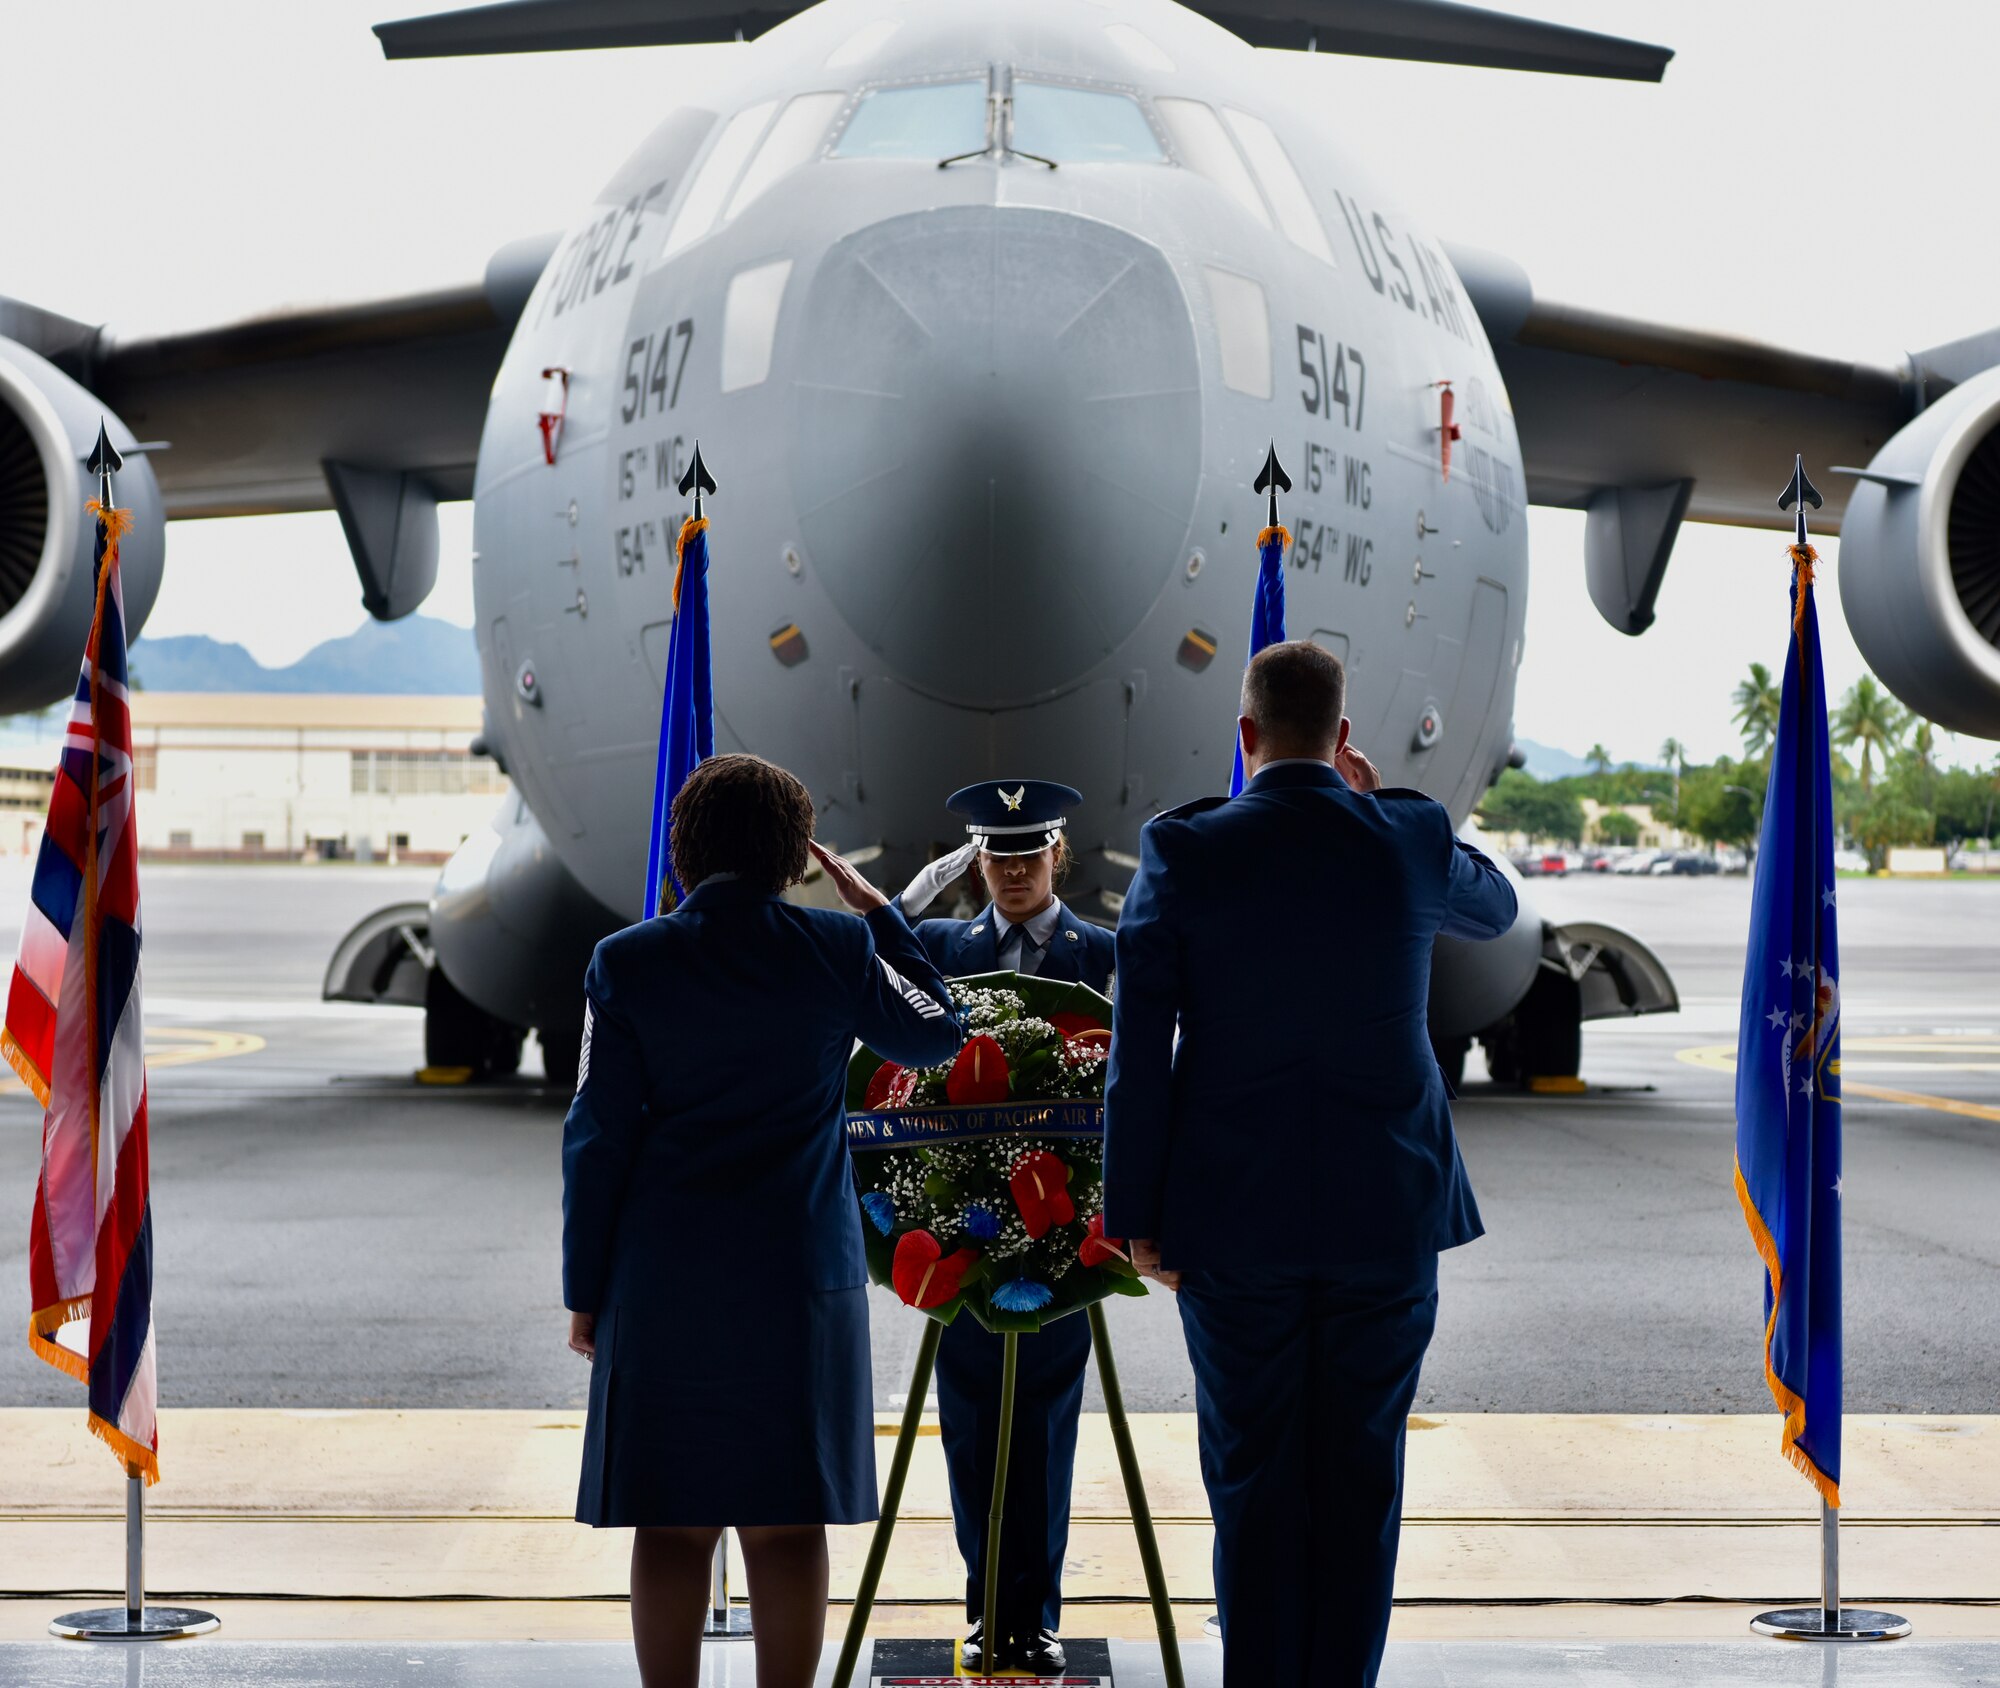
(985, 312)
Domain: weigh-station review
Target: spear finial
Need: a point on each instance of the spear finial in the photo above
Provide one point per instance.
(103, 462)
(1272, 477)
(697, 480)
(1797, 496)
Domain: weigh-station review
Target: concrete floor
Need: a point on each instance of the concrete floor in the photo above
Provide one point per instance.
(216, 1663)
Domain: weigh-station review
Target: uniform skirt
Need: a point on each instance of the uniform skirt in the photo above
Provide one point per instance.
(755, 1417)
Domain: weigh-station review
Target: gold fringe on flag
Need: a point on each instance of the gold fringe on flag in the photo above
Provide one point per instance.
(1803, 557)
(1281, 533)
(689, 528)
(1791, 1405)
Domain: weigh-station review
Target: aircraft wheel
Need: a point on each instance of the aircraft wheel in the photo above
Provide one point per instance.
(1451, 1053)
(1548, 1028)
(458, 1033)
(1503, 1060)
(562, 1050)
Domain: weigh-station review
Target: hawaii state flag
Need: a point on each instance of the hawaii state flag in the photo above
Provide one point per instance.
(1788, 1065)
(75, 1036)
(1267, 614)
(687, 713)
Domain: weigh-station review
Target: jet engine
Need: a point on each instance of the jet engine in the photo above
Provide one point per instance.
(1920, 560)
(47, 588)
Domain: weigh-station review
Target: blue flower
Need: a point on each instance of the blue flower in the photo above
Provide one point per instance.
(881, 1211)
(1023, 1295)
(982, 1222)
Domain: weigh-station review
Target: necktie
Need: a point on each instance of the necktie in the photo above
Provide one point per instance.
(1020, 952)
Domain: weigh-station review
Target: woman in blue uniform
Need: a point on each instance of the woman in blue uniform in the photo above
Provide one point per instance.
(1018, 855)
(705, 1167)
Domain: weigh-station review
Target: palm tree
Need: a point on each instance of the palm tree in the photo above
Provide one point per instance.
(1599, 759)
(1756, 701)
(1923, 746)
(1675, 755)
(1871, 720)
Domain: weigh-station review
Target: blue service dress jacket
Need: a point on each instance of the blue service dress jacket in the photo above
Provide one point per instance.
(709, 1218)
(1079, 952)
(1301, 1119)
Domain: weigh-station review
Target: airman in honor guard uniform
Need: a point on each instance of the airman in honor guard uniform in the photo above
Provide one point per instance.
(1019, 853)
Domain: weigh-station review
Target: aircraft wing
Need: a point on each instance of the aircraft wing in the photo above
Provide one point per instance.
(1605, 402)
(1437, 31)
(1645, 425)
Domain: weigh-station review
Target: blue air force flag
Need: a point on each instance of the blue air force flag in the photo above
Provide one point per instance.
(687, 712)
(1788, 1065)
(1267, 613)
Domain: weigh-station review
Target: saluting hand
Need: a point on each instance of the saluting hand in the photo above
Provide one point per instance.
(1356, 769)
(848, 884)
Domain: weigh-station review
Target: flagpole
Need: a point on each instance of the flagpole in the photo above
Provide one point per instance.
(134, 1621)
(1827, 1621)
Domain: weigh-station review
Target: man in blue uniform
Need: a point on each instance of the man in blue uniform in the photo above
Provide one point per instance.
(1018, 850)
(1290, 1163)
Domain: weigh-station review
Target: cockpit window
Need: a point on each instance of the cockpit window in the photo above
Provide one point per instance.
(703, 202)
(1082, 126)
(937, 120)
(789, 144)
(1282, 186)
(1206, 149)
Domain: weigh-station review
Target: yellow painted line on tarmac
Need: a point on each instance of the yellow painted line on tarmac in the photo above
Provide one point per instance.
(1721, 1058)
(176, 1046)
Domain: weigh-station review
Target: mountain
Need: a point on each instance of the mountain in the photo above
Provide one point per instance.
(1546, 762)
(418, 654)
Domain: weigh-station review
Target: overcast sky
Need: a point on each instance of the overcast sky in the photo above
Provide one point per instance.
(1809, 171)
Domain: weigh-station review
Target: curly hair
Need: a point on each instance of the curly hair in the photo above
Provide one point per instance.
(741, 815)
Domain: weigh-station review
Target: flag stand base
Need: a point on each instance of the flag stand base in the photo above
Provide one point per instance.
(113, 1623)
(1850, 1623)
(1829, 1620)
(135, 1620)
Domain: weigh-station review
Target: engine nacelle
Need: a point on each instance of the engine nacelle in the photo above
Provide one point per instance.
(47, 426)
(1920, 560)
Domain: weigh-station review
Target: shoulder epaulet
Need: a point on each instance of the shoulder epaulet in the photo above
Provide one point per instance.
(1200, 805)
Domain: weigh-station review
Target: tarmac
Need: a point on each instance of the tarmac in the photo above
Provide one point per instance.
(370, 1425)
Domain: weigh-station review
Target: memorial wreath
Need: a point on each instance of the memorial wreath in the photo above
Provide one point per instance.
(982, 1180)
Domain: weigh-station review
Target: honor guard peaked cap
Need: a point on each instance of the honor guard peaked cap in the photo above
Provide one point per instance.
(1014, 817)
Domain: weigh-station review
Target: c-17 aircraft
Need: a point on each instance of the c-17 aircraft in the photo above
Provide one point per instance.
(986, 313)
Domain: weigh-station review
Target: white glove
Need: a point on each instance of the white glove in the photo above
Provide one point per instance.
(923, 890)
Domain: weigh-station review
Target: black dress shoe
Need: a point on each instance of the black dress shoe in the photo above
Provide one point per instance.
(972, 1653)
(1039, 1652)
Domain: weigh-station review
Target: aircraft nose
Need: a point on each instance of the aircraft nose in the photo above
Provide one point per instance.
(998, 440)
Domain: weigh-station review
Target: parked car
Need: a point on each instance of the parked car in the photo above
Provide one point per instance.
(1693, 862)
(1849, 861)
(1640, 861)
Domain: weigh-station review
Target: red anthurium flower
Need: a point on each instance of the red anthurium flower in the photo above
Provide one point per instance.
(880, 1085)
(979, 1074)
(1040, 1184)
(925, 1276)
(1096, 1247)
